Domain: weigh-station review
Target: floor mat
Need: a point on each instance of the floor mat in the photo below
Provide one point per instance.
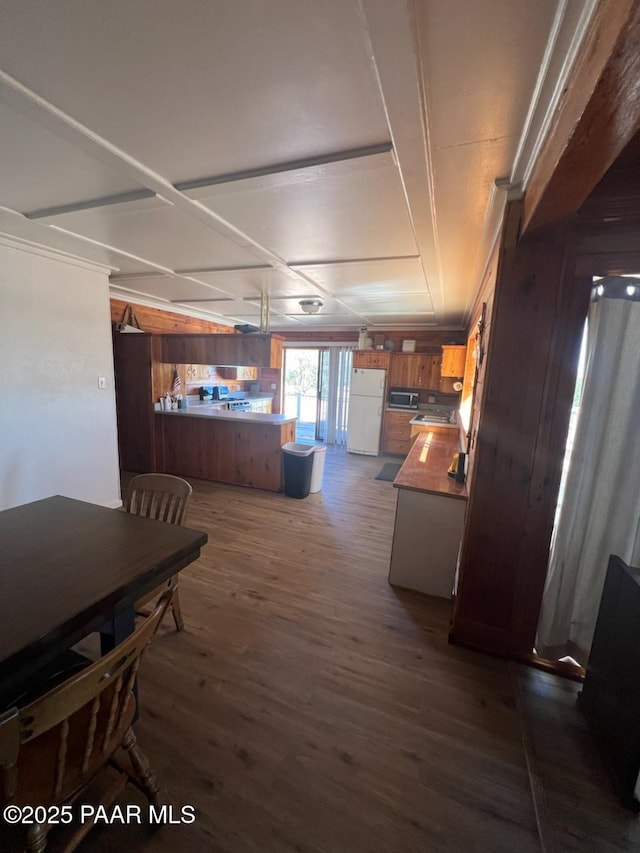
(389, 471)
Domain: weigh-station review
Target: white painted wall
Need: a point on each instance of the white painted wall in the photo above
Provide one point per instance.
(58, 431)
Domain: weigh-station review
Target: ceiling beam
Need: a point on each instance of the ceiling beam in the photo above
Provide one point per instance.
(283, 168)
(598, 116)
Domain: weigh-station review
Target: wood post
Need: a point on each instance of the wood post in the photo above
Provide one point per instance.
(538, 317)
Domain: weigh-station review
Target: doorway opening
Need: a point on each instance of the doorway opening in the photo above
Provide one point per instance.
(316, 392)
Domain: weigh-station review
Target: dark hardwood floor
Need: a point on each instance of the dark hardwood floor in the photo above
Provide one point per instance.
(310, 707)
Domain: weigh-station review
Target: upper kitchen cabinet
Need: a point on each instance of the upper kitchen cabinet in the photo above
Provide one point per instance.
(233, 350)
(415, 371)
(453, 361)
(239, 373)
(364, 358)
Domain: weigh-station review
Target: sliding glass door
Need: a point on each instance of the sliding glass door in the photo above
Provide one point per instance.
(317, 391)
(334, 377)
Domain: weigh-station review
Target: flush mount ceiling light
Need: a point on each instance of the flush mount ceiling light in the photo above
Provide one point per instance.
(311, 306)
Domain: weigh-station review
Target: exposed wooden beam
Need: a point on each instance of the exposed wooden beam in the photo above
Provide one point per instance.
(595, 120)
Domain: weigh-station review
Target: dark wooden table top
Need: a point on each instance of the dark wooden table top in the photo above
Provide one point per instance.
(67, 566)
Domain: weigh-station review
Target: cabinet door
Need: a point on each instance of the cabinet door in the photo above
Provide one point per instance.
(371, 358)
(453, 361)
(414, 371)
(433, 365)
(403, 372)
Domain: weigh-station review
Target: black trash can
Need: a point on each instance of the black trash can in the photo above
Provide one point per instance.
(298, 465)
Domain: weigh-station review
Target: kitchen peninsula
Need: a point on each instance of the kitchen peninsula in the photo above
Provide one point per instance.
(209, 443)
(429, 516)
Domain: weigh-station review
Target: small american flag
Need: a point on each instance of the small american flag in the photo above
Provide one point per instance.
(177, 384)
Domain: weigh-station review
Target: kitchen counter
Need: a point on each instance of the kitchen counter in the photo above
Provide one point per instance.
(238, 447)
(211, 411)
(430, 512)
(421, 417)
(425, 468)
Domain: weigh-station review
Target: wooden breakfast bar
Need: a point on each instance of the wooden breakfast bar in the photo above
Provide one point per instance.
(429, 516)
(242, 448)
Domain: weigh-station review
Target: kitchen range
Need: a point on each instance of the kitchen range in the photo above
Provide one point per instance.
(236, 401)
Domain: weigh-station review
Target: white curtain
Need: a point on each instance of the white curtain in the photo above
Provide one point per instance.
(335, 380)
(600, 512)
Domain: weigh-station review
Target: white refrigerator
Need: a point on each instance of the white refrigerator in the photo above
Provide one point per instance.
(366, 400)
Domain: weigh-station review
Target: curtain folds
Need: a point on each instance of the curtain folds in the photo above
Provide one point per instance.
(333, 393)
(600, 512)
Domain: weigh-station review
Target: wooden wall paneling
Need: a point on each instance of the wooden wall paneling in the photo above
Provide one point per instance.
(427, 341)
(564, 352)
(272, 376)
(157, 321)
(133, 383)
(508, 508)
(597, 116)
(227, 451)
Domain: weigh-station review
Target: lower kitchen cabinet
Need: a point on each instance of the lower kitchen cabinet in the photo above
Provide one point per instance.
(426, 538)
(396, 432)
(430, 515)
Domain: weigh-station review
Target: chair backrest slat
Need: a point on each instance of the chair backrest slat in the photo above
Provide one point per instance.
(162, 497)
(66, 699)
(61, 763)
(113, 713)
(91, 733)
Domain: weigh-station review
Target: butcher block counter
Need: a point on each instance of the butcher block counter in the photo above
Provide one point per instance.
(242, 448)
(430, 512)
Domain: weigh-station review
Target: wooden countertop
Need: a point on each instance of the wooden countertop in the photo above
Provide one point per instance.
(425, 468)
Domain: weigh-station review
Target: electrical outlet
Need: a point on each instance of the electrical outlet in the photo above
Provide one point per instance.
(102, 382)
(273, 386)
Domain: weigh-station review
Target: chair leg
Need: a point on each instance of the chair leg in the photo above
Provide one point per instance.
(177, 612)
(36, 838)
(140, 763)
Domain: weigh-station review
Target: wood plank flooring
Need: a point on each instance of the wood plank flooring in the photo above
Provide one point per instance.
(310, 707)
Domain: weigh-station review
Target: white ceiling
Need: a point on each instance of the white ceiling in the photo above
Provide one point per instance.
(213, 152)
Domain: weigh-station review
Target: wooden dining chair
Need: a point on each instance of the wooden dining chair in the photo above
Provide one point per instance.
(162, 497)
(52, 748)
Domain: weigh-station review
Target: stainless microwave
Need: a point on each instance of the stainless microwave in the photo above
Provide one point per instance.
(403, 399)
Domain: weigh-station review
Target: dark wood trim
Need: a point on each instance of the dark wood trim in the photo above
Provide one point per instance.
(475, 634)
(556, 667)
(531, 366)
(596, 118)
(570, 310)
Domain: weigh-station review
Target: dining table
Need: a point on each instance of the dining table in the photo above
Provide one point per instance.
(69, 568)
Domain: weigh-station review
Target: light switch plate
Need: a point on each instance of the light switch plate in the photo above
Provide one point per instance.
(102, 382)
